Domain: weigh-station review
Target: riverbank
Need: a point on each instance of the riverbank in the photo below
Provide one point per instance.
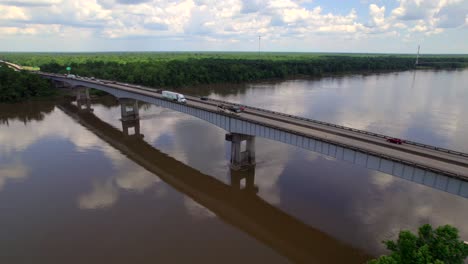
(182, 70)
(195, 68)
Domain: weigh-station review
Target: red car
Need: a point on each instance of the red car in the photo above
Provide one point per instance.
(395, 140)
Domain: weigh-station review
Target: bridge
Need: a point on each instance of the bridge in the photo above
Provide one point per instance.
(238, 206)
(13, 66)
(439, 168)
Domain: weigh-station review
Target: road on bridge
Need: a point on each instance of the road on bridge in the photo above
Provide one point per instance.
(439, 160)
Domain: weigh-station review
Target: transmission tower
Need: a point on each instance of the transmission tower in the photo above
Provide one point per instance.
(259, 38)
(417, 56)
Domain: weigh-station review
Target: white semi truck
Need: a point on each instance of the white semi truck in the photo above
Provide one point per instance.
(174, 96)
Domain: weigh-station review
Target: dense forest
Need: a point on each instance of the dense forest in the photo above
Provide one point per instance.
(19, 86)
(178, 69)
(176, 73)
(36, 59)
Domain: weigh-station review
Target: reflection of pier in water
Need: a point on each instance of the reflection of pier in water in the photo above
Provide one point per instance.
(236, 204)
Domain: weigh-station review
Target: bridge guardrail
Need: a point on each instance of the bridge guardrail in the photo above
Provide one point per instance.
(327, 124)
(453, 152)
(358, 149)
(458, 153)
(344, 145)
(447, 173)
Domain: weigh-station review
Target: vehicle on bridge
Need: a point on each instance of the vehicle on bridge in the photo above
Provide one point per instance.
(174, 96)
(237, 109)
(223, 108)
(230, 109)
(71, 76)
(395, 140)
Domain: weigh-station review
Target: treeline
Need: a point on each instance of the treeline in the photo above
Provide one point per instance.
(176, 73)
(20, 86)
(37, 59)
(178, 69)
(443, 63)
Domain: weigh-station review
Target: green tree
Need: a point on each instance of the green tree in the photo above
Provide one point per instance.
(442, 245)
(21, 86)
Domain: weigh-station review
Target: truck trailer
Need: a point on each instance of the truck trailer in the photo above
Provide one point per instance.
(174, 96)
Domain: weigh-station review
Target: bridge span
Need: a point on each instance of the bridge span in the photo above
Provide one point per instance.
(439, 168)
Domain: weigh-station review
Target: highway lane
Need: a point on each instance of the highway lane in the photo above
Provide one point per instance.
(436, 160)
(449, 157)
(401, 154)
(456, 159)
(423, 156)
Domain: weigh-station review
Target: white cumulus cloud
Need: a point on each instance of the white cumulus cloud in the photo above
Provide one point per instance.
(226, 24)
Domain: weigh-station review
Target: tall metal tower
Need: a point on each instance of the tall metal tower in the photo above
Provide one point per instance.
(417, 56)
(259, 38)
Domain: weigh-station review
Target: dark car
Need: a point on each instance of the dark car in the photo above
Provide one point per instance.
(204, 98)
(395, 140)
(236, 109)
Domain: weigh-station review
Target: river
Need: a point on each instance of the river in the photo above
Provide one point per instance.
(73, 187)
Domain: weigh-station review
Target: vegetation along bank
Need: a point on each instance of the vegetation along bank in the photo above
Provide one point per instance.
(180, 69)
(16, 86)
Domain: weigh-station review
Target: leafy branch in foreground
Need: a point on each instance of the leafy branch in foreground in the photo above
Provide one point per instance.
(438, 246)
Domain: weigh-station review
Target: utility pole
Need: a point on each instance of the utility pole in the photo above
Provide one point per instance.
(417, 56)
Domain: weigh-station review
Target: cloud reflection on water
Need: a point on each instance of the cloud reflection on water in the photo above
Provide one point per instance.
(126, 174)
(15, 171)
(102, 195)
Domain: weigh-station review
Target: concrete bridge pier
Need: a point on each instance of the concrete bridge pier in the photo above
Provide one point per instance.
(60, 84)
(242, 154)
(83, 100)
(248, 176)
(129, 109)
(130, 117)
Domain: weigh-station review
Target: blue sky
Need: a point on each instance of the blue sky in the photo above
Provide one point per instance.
(384, 26)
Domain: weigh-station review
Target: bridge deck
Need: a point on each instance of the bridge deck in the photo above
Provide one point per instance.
(435, 152)
(455, 165)
(424, 157)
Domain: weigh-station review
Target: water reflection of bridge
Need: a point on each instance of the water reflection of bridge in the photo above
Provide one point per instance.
(236, 203)
(435, 167)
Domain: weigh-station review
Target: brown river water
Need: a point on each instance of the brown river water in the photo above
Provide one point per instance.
(75, 189)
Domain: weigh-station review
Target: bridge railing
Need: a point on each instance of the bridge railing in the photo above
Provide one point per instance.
(453, 152)
(355, 148)
(458, 153)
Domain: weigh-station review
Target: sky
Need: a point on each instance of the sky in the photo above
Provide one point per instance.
(377, 26)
